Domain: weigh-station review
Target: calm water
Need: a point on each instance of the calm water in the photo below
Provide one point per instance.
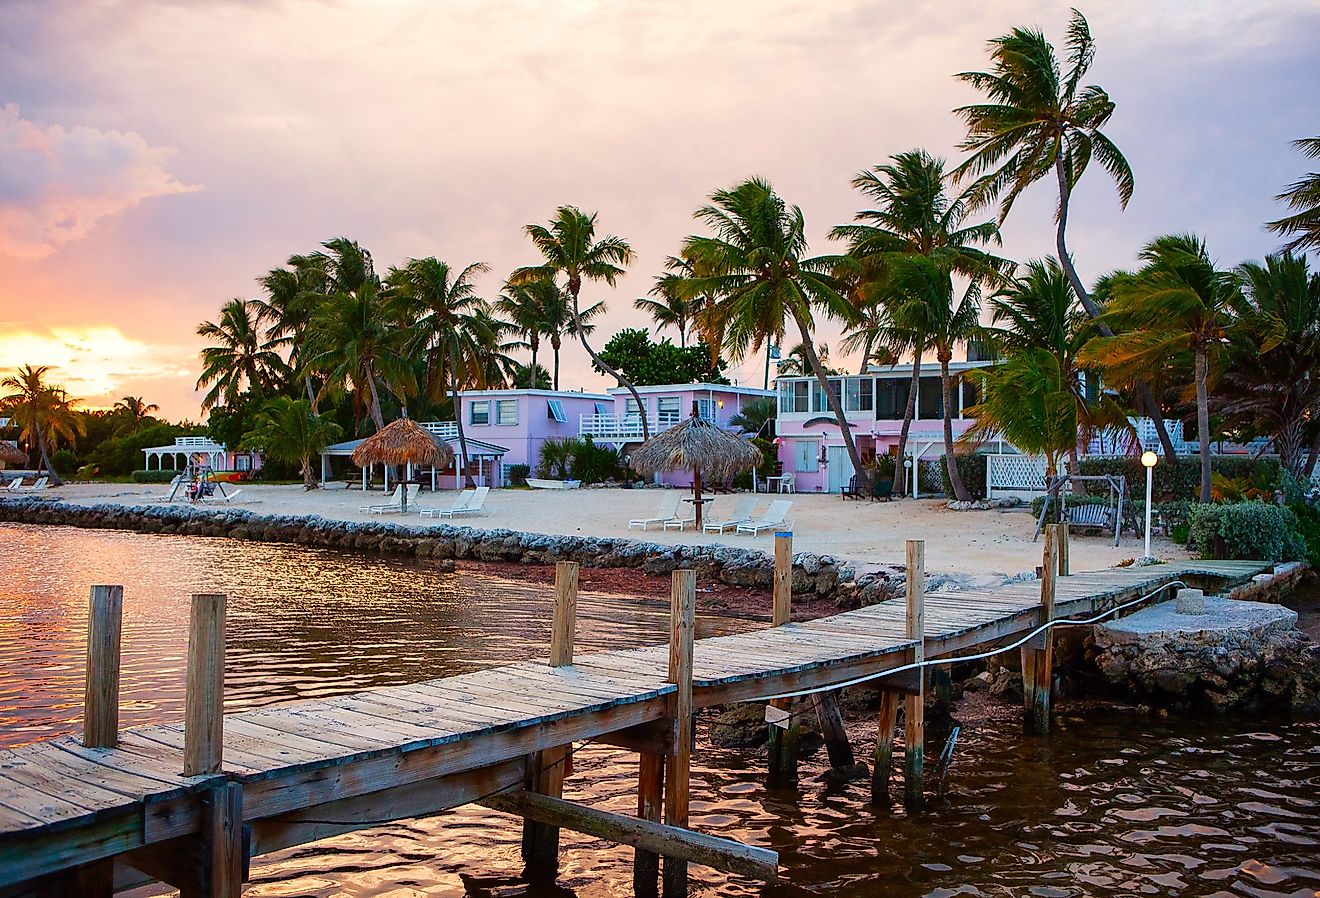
(1116, 804)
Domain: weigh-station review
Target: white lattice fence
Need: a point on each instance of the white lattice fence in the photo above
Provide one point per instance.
(1014, 474)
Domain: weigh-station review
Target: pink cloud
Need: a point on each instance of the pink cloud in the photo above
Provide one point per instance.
(58, 182)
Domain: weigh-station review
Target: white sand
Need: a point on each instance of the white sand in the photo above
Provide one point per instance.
(981, 543)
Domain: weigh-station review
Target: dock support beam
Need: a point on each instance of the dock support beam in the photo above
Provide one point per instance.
(101, 701)
(884, 747)
(204, 695)
(682, 623)
(650, 799)
(914, 729)
(1038, 655)
(545, 774)
(782, 741)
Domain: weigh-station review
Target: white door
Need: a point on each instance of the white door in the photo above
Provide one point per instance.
(839, 468)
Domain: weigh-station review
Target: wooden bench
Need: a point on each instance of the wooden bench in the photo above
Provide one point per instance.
(881, 488)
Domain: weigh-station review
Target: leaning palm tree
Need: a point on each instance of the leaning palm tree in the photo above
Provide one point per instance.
(1041, 121)
(1303, 198)
(242, 357)
(670, 307)
(756, 269)
(288, 430)
(929, 305)
(44, 413)
(135, 411)
(1178, 302)
(571, 251)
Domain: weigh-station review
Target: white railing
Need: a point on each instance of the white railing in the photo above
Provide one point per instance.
(445, 430)
(613, 429)
(1011, 474)
(200, 442)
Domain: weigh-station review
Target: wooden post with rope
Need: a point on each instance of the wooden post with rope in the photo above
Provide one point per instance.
(1038, 655)
(914, 728)
(785, 732)
(682, 624)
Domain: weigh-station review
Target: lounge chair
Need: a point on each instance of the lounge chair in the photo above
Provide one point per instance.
(476, 504)
(391, 502)
(218, 496)
(668, 511)
(680, 522)
(460, 502)
(773, 518)
(36, 487)
(15, 484)
(412, 489)
(742, 513)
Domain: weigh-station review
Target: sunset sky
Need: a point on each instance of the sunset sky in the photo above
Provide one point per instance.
(156, 157)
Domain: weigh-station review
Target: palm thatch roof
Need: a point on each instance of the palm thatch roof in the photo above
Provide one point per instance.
(696, 445)
(11, 454)
(403, 442)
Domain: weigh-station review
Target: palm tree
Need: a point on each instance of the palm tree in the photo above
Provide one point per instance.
(242, 358)
(292, 295)
(913, 215)
(288, 430)
(525, 317)
(551, 308)
(1041, 121)
(670, 307)
(929, 306)
(756, 270)
(1177, 302)
(794, 363)
(1303, 197)
(449, 326)
(571, 250)
(1027, 400)
(44, 414)
(1272, 380)
(136, 411)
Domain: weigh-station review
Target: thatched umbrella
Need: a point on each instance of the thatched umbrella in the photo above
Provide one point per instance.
(403, 442)
(11, 454)
(698, 446)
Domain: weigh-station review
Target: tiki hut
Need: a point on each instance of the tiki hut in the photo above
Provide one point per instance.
(403, 442)
(698, 446)
(11, 454)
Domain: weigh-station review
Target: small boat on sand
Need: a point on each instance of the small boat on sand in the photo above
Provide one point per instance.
(539, 484)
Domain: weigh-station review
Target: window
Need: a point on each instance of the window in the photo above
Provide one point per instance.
(804, 455)
(891, 397)
(819, 403)
(857, 395)
(506, 411)
(930, 402)
(706, 409)
(971, 394)
(554, 410)
(792, 396)
(631, 409)
(479, 412)
(668, 410)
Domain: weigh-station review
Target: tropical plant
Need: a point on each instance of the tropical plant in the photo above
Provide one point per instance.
(757, 417)
(241, 359)
(1303, 198)
(292, 295)
(1177, 303)
(289, 431)
(645, 362)
(1040, 121)
(928, 305)
(1027, 400)
(670, 307)
(757, 272)
(795, 363)
(552, 311)
(43, 413)
(135, 411)
(571, 250)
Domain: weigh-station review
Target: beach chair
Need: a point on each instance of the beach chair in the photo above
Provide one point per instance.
(773, 519)
(218, 496)
(680, 520)
(476, 504)
(742, 513)
(36, 487)
(14, 485)
(396, 507)
(391, 499)
(460, 501)
(668, 511)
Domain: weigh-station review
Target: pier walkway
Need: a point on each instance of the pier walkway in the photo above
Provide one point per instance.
(80, 819)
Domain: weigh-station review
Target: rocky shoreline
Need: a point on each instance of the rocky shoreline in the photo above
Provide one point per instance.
(823, 576)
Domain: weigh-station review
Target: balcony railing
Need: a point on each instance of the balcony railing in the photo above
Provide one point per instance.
(612, 429)
(445, 430)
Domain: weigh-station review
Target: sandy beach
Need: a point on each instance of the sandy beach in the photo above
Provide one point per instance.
(987, 544)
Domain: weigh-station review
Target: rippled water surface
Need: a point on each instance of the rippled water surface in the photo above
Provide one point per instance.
(1113, 804)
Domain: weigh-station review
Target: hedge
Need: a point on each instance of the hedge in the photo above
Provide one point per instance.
(1246, 530)
(154, 476)
(1181, 478)
(971, 468)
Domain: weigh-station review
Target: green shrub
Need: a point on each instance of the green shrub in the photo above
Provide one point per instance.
(518, 474)
(1308, 527)
(65, 462)
(742, 480)
(1180, 533)
(1181, 479)
(1245, 530)
(930, 476)
(971, 468)
(164, 476)
(594, 464)
(121, 455)
(1165, 516)
(557, 458)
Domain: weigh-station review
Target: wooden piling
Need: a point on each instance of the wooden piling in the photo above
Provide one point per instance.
(203, 726)
(222, 833)
(547, 767)
(682, 622)
(884, 747)
(101, 698)
(914, 730)
(782, 742)
(1038, 655)
(1063, 548)
(650, 800)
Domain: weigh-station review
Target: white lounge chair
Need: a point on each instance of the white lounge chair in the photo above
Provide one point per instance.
(460, 502)
(396, 507)
(165, 496)
(219, 496)
(668, 511)
(742, 513)
(36, 487)
(681, 521)
(14, 485)
(773, 518)
(475, 505)
(391, 499)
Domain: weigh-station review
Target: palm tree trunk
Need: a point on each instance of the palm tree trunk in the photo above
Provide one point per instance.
(45, 456)
(809, 350)
(468, 482)
(312, 396)
(1203, 420)
(950, 463)
(908, 413)
(582, 338)
(1144, 395)
(374, 408)
(554, 345)
(535, 344)
(866, 351)
(309, 479)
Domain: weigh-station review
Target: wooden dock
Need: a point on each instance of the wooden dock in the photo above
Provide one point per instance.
(112, 810)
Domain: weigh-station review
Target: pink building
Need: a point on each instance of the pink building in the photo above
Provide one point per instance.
(811, 447)
(520, 421)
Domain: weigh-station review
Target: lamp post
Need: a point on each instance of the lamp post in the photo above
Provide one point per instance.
(1149, 460)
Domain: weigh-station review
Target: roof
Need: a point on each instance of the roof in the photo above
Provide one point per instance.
(475, 447)
(547, 394)
(695, 388)
(903, 370)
